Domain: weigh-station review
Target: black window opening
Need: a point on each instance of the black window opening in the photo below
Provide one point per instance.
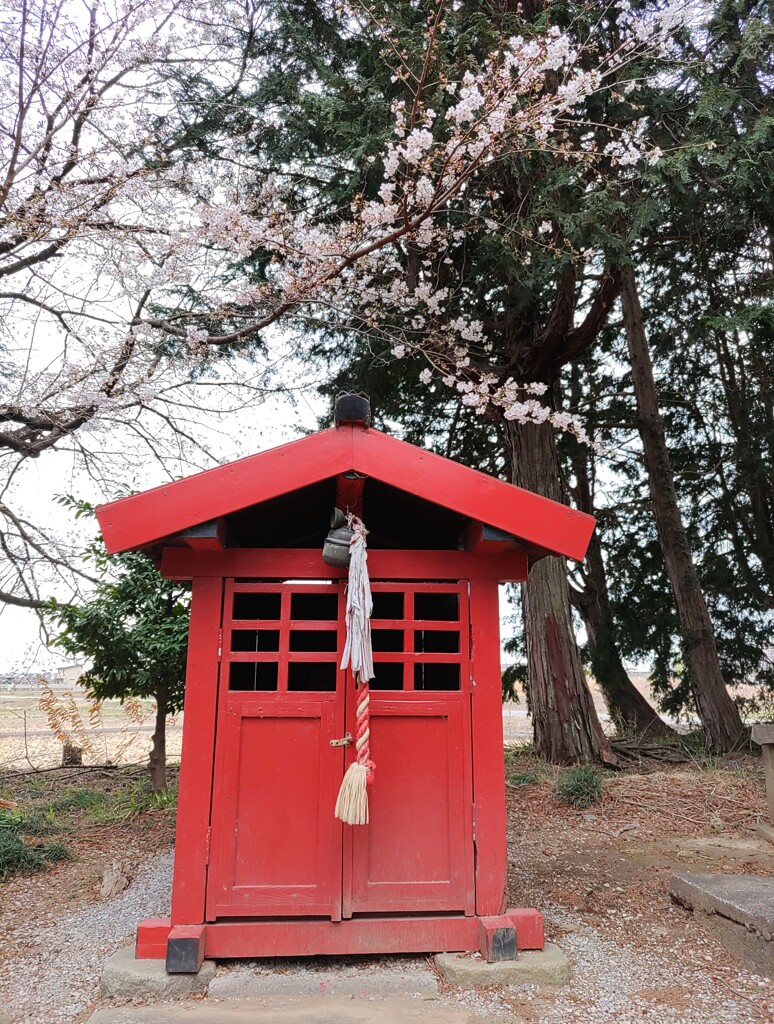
(312, 676)
(315, 607)
(435, 676)
(253, 675)
(257, 605)
(436, 641)
(388, 604)
(258, 640)
(314, 640)
(440, 607)
(388, 676)
(387, 641)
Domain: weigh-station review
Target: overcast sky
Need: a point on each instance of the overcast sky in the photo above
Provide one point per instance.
(273, 422)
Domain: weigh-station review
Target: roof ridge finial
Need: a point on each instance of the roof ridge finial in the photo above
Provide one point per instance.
(352, 407)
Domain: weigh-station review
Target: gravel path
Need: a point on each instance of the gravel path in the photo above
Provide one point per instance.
(627, 985)
(57, 977)
(661, 980)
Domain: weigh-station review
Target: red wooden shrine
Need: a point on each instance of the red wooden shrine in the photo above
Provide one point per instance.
(262, 866)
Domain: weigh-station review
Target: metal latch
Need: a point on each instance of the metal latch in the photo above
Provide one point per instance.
(345, 742)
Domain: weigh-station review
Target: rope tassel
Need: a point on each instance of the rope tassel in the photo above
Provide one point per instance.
(352, 802)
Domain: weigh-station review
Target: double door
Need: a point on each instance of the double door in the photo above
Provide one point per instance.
(285, 710)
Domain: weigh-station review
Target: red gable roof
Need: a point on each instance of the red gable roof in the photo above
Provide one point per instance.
(144, 519)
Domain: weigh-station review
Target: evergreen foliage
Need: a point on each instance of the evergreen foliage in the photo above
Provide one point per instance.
(18, 854)
(133, 629)
(698, 225)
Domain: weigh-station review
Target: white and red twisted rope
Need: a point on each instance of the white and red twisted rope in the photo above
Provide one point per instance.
(363, 731)
(352, 802)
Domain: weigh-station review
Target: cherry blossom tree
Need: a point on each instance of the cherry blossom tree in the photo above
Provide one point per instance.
(132, 216)
(95, 119)
(527, 103)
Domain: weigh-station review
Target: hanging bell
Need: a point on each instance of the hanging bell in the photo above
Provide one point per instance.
(336, 549)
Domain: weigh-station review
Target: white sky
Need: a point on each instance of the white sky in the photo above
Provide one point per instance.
(57, 472)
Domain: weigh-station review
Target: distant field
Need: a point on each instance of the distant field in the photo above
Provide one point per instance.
(26, 739)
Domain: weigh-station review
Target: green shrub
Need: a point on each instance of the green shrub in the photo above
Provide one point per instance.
(54, 852)
(40, 821)
(524, 779)
(135, 799)
(580, 787)
(18, 855)
(78, 800)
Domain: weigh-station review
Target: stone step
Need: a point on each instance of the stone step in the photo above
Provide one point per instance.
(737, 909)
(305, 1010)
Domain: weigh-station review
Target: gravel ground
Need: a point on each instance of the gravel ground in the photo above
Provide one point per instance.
(661, 980)
(56, 978)
(599, 876)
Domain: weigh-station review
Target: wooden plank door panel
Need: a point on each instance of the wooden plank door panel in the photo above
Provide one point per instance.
(416, 853)
(276, 848)
(276, 844)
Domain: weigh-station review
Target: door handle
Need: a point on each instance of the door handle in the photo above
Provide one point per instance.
(345, 741)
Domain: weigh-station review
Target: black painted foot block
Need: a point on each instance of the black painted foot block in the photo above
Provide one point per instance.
(497, 938)
(185, 949)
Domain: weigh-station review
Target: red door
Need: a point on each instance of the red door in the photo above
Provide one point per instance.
(416, 854)
(276, 848)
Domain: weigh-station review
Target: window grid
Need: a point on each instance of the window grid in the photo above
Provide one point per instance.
(414, 676)
(284, 626)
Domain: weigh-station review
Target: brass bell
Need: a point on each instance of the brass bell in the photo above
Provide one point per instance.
(336, 549)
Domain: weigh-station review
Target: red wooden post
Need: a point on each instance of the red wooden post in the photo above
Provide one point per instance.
(528, 923)
(193, 814)
(497, 938)
(185, 949)
(152, 935)
(488, 769)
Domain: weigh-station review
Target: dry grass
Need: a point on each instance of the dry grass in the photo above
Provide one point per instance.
(715, 797)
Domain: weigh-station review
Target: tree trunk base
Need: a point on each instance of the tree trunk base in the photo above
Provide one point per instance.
(158, 754)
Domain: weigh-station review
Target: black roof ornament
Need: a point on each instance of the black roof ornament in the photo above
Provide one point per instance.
(352, 408)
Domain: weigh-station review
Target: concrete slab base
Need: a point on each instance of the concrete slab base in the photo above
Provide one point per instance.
(737, 909)
(309, 1010)
(547, 966)
(413, 979)
(748, 947)
(765, 830)
(123, 977)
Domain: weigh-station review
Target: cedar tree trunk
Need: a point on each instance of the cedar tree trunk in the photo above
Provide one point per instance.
(751, 456)
(567, 729)
(627, 706)
(723, 727)
(158, 754)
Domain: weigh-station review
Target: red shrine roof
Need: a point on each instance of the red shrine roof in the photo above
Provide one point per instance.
(147, 520)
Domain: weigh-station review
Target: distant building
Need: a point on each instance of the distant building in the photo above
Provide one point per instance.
(67, 676)
(12, 681)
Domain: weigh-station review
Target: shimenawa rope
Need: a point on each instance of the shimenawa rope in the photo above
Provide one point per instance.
(352, 802)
